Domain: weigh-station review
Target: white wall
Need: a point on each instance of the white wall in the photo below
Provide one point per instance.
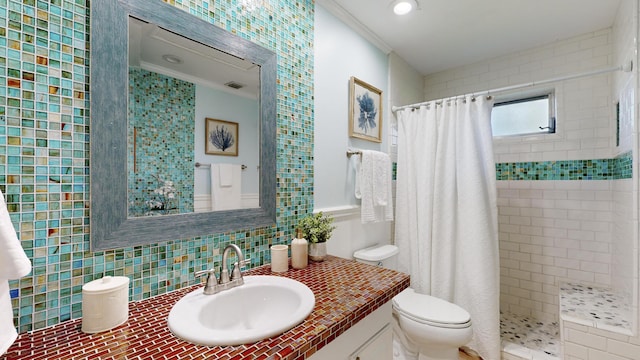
(339, 54)
(406, 87)
(217, 104)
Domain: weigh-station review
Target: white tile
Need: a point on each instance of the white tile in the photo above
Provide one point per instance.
(570, 204)
(581, 235)
(575, 350)
(588, 340)
(594, 267)
(567, 224)
(543, 260)
(595, 354)
(517, 350)
(555, 195)
(623, 349)
(585, 276)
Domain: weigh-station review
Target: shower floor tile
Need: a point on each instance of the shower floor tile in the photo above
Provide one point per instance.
(529, 338)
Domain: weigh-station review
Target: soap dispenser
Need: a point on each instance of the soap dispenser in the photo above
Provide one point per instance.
(299, 251)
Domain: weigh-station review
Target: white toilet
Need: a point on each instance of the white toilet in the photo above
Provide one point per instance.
(434, 327)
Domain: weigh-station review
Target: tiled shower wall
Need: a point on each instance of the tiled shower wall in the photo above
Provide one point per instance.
(551, 230)
(44, 160)
(554, 225)
(624, 269)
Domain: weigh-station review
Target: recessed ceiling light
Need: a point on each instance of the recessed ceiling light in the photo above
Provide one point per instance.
(403, 7)
(172, 59)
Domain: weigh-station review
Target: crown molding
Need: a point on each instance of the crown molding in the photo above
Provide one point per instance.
(338, 11)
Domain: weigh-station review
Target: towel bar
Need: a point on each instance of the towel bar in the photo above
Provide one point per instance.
(353, 152)
(198, 165)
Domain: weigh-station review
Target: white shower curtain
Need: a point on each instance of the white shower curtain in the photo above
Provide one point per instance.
(446, 211)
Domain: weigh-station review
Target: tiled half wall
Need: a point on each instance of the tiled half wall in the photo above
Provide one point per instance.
(559, 229)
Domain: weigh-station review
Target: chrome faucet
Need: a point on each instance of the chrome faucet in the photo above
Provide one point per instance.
(236, 276)
(213, 285)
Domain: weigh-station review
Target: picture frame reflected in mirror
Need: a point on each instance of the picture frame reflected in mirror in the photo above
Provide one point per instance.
(221, 137)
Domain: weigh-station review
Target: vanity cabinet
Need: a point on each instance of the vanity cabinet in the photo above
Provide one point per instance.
(369, 339)
(380, 346)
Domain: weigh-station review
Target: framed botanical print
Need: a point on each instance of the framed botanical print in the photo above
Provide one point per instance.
(221, 137)
(365, 111)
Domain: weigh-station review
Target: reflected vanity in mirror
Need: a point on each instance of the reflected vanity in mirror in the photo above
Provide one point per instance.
(148, 109)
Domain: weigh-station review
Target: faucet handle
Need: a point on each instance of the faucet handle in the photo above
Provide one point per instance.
(212, 281)
(245, 262)
(236, 271)
(236, 274)
(204, 272)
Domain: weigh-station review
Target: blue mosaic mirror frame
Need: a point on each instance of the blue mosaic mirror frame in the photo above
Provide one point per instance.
(110, 225)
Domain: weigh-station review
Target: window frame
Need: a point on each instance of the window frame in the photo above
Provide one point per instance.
(551, 127)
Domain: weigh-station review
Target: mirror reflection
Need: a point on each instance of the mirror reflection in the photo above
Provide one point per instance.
(193, 126)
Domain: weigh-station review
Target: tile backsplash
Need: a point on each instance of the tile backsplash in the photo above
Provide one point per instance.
(44, 158)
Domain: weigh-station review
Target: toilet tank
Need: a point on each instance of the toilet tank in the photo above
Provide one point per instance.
(379, 255)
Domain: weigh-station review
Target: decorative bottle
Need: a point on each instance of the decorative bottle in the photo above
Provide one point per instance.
(299, 251)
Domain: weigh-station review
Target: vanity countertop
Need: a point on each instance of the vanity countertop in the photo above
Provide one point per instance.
(345, 291)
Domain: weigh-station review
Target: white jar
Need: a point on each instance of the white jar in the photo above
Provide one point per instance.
(105, 303)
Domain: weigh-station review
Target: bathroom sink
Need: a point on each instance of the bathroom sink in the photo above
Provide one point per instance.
(264, 306)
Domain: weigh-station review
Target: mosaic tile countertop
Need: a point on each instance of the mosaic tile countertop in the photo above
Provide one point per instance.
(594, 306)
(345, 292)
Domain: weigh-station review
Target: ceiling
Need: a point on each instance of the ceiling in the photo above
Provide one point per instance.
(445, 34)
(149, 46)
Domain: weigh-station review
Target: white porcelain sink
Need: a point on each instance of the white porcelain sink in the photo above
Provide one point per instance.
(264, 306)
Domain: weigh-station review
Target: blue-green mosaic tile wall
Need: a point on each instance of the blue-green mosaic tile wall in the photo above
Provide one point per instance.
(617, 168)
(162, 120)
(623, 166)
(44, 160)
(598, 169)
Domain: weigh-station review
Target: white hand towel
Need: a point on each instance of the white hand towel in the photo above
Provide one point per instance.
(226, 197)
(226, 174)
(14, 264)
(373, 187)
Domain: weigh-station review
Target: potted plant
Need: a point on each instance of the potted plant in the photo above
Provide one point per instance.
(317, 229)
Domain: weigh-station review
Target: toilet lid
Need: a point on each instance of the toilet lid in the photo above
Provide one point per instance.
(429, 309)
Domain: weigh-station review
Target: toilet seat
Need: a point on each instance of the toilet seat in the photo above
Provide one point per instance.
(430, 310)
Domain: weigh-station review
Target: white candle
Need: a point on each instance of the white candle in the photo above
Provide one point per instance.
(279, 258)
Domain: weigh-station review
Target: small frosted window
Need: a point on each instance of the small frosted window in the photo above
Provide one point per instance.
(533, 115)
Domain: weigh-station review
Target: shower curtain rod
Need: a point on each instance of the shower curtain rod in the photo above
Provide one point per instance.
(627, 67)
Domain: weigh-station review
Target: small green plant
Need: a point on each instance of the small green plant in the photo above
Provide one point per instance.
(317, 228)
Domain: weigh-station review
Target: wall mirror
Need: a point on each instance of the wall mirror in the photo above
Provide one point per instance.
(120, 162)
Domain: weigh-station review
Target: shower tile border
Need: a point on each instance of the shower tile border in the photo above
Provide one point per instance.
(620, 167)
